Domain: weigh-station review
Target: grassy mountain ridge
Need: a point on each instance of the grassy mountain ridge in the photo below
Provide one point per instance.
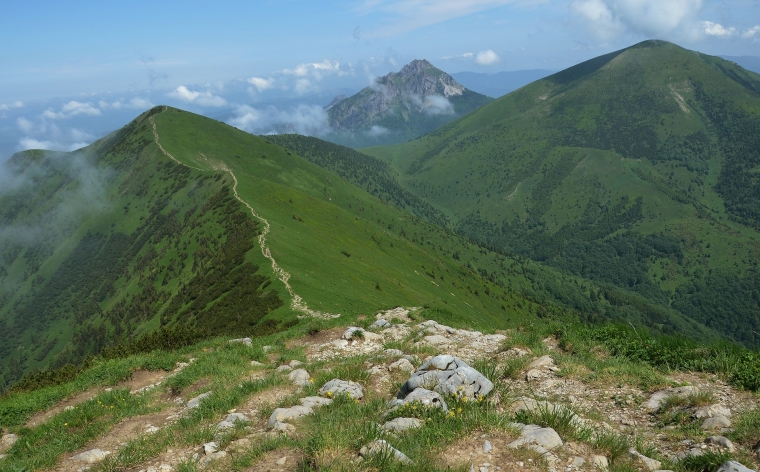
(635, 169)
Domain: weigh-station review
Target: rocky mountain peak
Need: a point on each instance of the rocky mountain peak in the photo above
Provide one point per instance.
(417, 66)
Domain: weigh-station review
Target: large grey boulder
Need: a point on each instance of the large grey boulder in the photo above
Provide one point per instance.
(314, 402)
(711, 411)
(382, 447)
(721, 441)
(424, 397)
(448, 375)
(342, 387)
(733, 466)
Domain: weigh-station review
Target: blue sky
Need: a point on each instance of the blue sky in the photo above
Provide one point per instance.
(70, 71)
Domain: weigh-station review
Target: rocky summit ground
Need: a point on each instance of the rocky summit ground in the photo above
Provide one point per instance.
(398, 393)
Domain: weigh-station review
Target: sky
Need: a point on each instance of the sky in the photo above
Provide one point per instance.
(70, 72)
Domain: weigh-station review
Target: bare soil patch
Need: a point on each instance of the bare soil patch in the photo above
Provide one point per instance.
(42, 416)
(273, 461)
(143, 378)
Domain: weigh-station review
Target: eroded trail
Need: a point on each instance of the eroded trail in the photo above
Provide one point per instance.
(297, 302)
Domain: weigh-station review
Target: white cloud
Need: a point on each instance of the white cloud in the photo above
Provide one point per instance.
(716, 29)
(71, 109)
(135, 103)
(486, 58)
(607, 19)
(750, 33)
(16, 104)
(304, 119)
(317, 70)
(466, 55)
(408, 15)
(206, 99)
(261, 84)
(377, 131)
(304, 86)
(31, 143)
(437, 105)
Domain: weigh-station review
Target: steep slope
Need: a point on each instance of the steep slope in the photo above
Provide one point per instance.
(178, 221)
(637, 168)
(400, 106)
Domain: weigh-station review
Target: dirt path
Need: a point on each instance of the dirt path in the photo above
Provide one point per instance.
(297, 303)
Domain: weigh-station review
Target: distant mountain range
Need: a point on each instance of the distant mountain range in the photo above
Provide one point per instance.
(400, 106)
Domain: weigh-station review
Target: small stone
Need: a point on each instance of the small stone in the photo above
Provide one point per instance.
(426, 398)
(210, 448)
(533, 434)
(716, 422)
(246, 341)
(281, 427)
(7, 441)
(342, 387)
(720, 441)
(165, 468)
(314, 402)
(295, 363)
(256, 364)
(196, 402)
(436, 340)
(394, 352)
(266, 348)
(712, 411)
(300, 377)
(284, 368)
(283, 414)
(151, 429)
(382, 447)
(212, 457)
(645, 461)
(402, 365)
(533, 374)
(655, 401)
(487, 446)
(402, 424)
(733, 466)
(282, 460)
(600, 462)
(541, 363)
(92, 456)
(380, 324)
(578, 462)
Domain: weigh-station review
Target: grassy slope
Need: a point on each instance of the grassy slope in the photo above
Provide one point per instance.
(580, 141)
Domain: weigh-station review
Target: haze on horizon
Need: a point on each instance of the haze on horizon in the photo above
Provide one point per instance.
(71, 73)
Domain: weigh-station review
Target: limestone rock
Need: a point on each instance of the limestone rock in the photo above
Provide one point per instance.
(300, 377)
(711, 411)
(448, 375)
(210, 448)
(733, 466)
(196, 402)
(380, 324)
(402, 424)
(436, 340)
(212, 457)
(257, 364)
(295, 363)
(533, 434)
(542, 362)
(284, 368)
(92, 456)
(281, 427)
(402, 365)
(720, 441)
(7, 441)
(382, 447)
(246, 341)
(600, 463)
(280, 415)
(716, 422)
(229, 422)
(314, 402)
(655, 401)
(487, 447)
(394, 352)
(354, 332)
(648, 463)
(342, 387)
(424, 397)
(533, 374)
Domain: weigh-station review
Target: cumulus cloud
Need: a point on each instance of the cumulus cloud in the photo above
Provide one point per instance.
(261, 84)
(607, 19)
(486, 58)
(752, 32)
(41, 133)
(466, 55)
(716, 29)
(71, 109)
(206, 99)
(16, 104)
(318, 70)
(310, 120)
